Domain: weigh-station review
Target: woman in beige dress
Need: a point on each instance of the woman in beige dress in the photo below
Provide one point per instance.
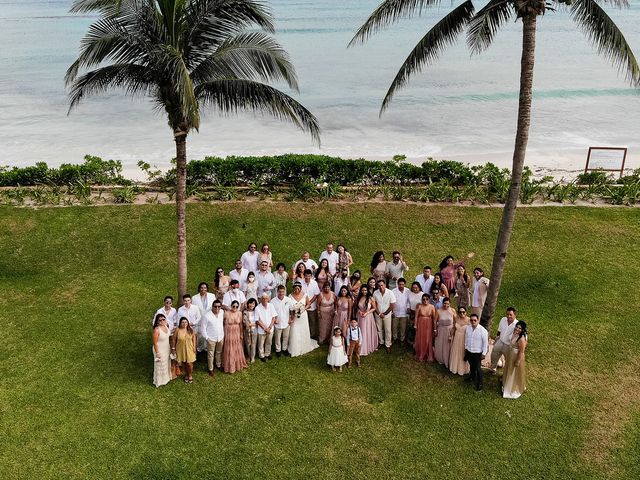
(514, 376)
(323, 276)
(444, 325)
(266, 256)
(457, 363)
(378, 266)
(326, 312)
(355, 283)
(161, 351)
(220, 283)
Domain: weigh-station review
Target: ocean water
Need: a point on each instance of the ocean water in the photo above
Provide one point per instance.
(464, 107)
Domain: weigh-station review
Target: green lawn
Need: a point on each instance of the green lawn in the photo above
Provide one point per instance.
(80, 285)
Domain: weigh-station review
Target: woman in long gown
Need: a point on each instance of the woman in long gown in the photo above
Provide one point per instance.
(463, 287)
(232, 353)
(326, 312)
(425, 321)
(456, 357)
(220, 283)
(378, 266)
(365, 306)
(514, 376)
(161, 351)
(323, 275)
(344, 307)
(184, 346)
(300, 341)
(444, 324)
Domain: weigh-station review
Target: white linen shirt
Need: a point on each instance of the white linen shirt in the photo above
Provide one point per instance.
(384, 301)
(193, 315)
(339, 283)
(402, 302)
(396, 271)
(265, 315)
(425, 283)
(506, 330)
(249, 261)
(204, 304)
(266, 282)
(353, 334)
(282, 307)
(476, 340)
(310, 289)
(214, 326)
(171, 317)
(333, 258)
(241, 276)
(231, 295)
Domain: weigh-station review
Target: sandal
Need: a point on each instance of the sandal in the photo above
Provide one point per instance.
(190, 379)
(186, 380)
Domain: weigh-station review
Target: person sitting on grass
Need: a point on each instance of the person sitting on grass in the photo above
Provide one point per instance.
(184, 347)
(337, 351)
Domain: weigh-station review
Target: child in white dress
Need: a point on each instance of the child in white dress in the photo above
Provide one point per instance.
(337, 351)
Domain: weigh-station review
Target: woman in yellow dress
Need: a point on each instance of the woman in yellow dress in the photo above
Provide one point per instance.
(514, 378)
(184, 347)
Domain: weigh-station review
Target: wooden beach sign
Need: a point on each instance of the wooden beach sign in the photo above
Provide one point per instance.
(609, 159)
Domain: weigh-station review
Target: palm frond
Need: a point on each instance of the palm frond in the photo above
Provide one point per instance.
(607, 37)
(388, 12)
(90, 6)
(232, 95)
(135, 79)
(484, 24)
(429, 47)
(181, 84)
(251, 56)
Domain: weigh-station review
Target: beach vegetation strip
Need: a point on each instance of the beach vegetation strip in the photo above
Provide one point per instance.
(80, 285)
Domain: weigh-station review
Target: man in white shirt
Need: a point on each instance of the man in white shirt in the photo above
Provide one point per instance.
(204, 301)
(213, 333)
(266, 317)
(395, 269)
(249, 258)
(284, 309)
(311, 289)
(266, 280)
(309, 263)
(503, 337)
(425, 279)
(239, 274)
(479, 288)
(192, 313)
(341, 280)
(476, 344)
(332, 257)
(385, 302)
(354, 340)
(400, 311)
(234, 293)
(169, 313)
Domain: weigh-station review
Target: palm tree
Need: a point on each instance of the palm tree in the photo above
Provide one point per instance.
(184, 55)
(481, 26)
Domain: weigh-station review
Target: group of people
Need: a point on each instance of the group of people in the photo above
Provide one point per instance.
(249, 313)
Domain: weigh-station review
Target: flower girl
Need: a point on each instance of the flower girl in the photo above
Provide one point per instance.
(337, 351)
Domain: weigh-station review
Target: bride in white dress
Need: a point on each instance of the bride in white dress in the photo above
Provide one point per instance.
(300, 341)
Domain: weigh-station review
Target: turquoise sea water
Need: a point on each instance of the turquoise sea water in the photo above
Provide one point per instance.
(464, 107)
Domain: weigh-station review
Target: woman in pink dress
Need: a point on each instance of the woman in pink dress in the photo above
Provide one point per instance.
(326, 312)
(344, 307)
(437, 283)
(378, 266)
(364, 308)
(425, 321)
(448, 267)
(444, 324)
(232, 352)
(355, 283)
(322, 274)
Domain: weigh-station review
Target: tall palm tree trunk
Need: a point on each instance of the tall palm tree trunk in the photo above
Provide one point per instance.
(181, 190)
(522, 137)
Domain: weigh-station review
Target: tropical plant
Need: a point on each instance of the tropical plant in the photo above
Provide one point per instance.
(186, 55)
(482, 26)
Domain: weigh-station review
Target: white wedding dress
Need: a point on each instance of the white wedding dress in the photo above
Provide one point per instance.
(300, 341)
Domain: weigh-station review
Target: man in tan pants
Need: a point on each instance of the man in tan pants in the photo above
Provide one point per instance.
(503, 337)
(479, 288)
(214, 335)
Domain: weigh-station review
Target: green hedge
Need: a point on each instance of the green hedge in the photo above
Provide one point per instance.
(94, 171)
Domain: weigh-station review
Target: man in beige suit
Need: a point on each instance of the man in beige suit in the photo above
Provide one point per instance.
(479, 287)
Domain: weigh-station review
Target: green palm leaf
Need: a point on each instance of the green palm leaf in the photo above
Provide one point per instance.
(429, 47)
(232, 95)
(606, 36)
(484, 25)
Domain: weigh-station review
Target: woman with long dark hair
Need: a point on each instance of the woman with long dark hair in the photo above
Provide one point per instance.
(378, 266)
(448, 268)
(463, 287)
(220, 283)
(161, 351)
(364, 307)
(514, 376)
(184, 347)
